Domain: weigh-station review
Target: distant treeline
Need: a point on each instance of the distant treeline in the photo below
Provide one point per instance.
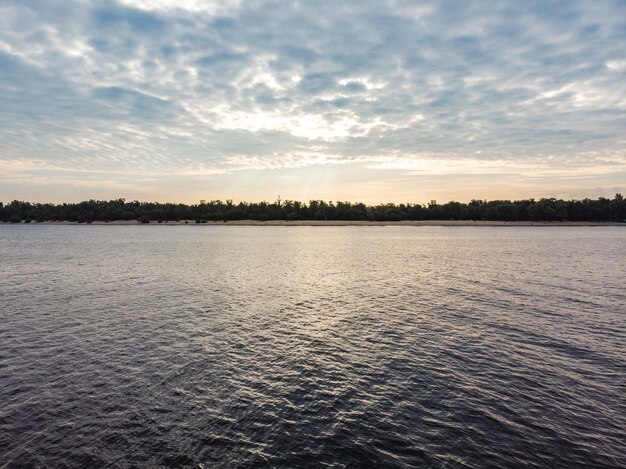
(595, 210)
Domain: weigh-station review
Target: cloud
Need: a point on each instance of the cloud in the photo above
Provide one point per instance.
(220, 87)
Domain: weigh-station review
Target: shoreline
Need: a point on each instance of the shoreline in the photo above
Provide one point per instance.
(330, 223)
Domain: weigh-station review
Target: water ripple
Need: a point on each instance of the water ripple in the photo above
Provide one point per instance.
(245, 346)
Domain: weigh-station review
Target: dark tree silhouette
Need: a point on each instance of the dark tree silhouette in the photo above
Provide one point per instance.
(552, 210)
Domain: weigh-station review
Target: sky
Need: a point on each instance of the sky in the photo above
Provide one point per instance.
(372, 101)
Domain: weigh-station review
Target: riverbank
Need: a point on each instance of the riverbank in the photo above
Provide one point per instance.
(337, 223)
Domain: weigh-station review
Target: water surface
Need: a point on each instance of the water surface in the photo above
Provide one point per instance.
(242, 346)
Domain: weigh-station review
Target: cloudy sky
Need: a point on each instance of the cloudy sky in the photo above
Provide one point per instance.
(395, 101)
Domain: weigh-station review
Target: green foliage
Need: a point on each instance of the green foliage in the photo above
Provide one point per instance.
(554, 210)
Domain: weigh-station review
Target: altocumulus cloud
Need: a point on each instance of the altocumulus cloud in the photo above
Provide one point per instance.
(138, 96)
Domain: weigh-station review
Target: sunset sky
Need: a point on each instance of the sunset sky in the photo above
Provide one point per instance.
(364, 101)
